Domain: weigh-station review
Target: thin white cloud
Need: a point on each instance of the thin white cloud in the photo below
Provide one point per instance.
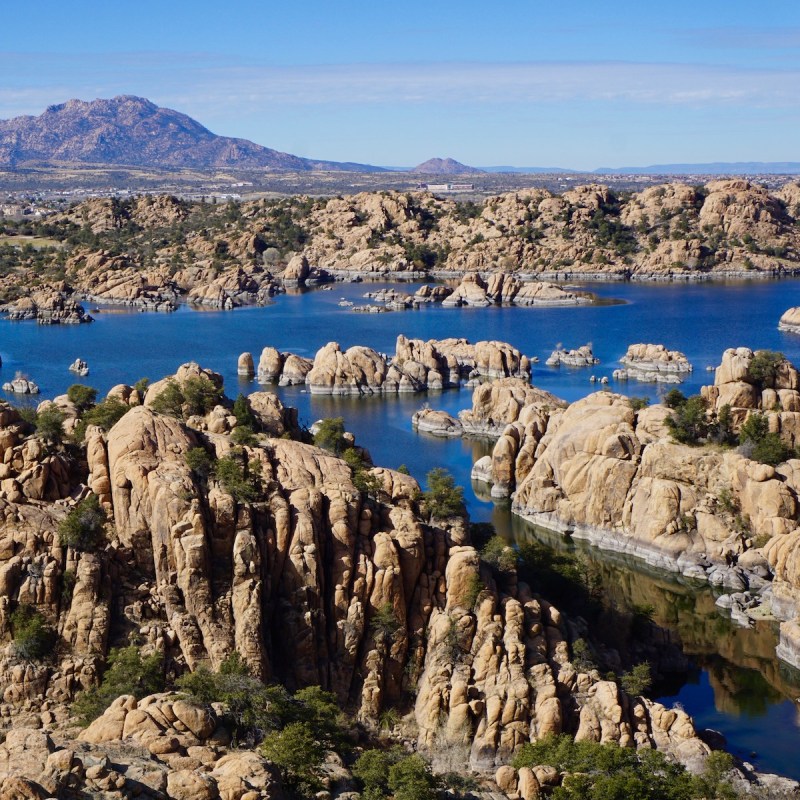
(743, 38)
(202, 84)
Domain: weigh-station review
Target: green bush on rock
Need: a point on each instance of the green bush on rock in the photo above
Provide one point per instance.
(443, 498)
(127, 672)
(609, 772)
(83, 528)
(33, 636)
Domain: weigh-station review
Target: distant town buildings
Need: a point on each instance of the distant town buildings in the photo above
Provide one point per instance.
(444, 188)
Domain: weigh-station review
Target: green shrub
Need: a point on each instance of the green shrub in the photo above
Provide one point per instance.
(50, 424)
(638, 403)
(500, 556)
(68, 580)
(199, 462)
(443, 498)
(311, 726)
(127, 672)
(674, 398)
(761, 444)
(689, 424)
(243, 436)
(104, 415)
(363, 479)
(231, 475)
(81, 396)
(609, 772)
(372, 770)
(582, 656)
(638, 680)
(169, 400)
(200, 395)
(83, 528)
(330, 435)
(475, 586)
(251, 708)
(763, 368)
(297, 753)
(33, 637)
(141, 386)
(411, 779)
(243, 413)
(384, 623)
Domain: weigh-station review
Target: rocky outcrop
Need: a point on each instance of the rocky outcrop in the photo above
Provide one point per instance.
(160, 746)
(245, 366)
(504, 289)
(653, 363)
(582, 357)
(116, 280)
(772, 388)
(417, 366)
(790, 320)
(497, 674)
(79, 367)
(292, 575)
(503, 402)
(296, 272)
(603, 470)
(48, 308)
(437, 423)
(21, 385)
(668, 232)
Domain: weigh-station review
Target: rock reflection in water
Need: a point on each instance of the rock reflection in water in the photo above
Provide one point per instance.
(734, 673)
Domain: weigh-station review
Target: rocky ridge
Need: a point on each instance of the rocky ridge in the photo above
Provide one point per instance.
(416, 366)
(132, 131)
(670, 232)
(47, 308)
(605, 470)
(291, 579)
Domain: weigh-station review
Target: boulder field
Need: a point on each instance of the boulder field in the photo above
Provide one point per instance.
(292, 577)
(241, 253)
(606, 469)
(417, 366)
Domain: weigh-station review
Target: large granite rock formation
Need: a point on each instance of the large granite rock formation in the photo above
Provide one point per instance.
(653, 363)
(604, 470)
(48, 308)
(291, 576)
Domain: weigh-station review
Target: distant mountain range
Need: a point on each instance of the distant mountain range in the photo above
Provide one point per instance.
(131, 131)
(713, 168)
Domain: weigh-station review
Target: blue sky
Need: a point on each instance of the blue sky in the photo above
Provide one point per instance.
(580, 84)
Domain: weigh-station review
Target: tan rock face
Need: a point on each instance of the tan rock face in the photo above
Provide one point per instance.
(653, 363)
(729, 226)
(608, 472)
(49, 308)
(776, 394)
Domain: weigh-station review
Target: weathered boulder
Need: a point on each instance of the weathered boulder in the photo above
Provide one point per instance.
(653, 363)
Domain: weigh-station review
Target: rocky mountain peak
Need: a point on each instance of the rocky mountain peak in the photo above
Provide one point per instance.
(445, 166)
(133, 131)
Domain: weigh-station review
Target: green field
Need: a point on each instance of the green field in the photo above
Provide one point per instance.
(35, 241)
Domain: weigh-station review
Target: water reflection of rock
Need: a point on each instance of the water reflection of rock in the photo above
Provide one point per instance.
(743, 670)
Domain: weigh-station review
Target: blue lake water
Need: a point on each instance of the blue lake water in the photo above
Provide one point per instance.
(699, 319)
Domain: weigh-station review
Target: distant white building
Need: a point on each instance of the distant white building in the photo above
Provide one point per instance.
(444, 188)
